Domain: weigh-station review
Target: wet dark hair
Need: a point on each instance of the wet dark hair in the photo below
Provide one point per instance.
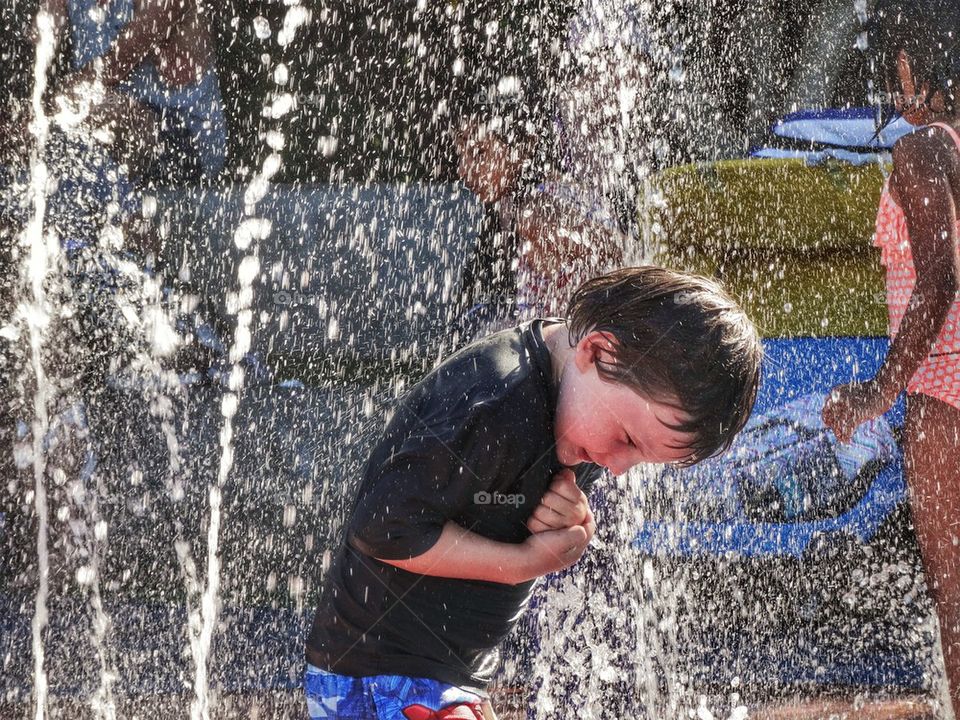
(929, 32)
(679, 339)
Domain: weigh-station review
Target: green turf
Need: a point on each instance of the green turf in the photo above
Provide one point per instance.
(791, 241)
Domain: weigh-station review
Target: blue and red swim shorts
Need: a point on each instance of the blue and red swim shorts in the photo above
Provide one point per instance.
(387, 697)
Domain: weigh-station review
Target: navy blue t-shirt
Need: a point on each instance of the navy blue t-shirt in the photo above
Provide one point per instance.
(472, 442)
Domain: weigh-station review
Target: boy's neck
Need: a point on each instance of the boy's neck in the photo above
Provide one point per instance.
(558, 344)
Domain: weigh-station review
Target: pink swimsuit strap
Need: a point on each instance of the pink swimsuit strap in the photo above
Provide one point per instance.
(950, 131)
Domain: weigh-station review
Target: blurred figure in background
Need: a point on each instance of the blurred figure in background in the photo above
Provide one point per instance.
(566, 205)
(136, 104)
(491, 165)
(151, 56)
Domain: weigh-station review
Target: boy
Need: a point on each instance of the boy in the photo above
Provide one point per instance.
(477, 487)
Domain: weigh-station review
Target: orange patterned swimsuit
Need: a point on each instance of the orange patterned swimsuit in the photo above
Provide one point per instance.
(939, 375)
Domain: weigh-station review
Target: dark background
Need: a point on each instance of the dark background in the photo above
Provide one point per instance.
(379, 77)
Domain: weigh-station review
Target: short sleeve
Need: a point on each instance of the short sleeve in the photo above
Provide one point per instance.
(430, 478)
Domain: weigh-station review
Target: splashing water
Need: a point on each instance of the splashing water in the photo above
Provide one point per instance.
(609, 635)
(607, 630)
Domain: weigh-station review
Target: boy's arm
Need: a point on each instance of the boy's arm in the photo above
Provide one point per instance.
(465, 555)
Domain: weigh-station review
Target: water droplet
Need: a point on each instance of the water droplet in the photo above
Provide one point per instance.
(85, 575)
(508, 85)
(271, 165)
(228, 406)
(149, 206)
(328, 145)
(280, 107)
(248, 270)
(261, 27)
(251, 229)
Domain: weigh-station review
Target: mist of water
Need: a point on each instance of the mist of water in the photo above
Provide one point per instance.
(358, 268)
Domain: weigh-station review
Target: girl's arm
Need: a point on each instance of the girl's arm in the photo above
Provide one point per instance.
(922, 187)
(921, 183)
(560, 236)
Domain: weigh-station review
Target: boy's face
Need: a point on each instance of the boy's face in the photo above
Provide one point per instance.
(608, 423)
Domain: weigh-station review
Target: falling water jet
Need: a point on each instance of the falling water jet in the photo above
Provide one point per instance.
(102, 702)
(35, 271)
(41, 256)
(251, 230)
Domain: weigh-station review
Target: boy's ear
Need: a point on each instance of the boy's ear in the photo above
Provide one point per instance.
(595, 345)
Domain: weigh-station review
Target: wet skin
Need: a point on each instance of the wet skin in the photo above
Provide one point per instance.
(606, 422)
(926, 183)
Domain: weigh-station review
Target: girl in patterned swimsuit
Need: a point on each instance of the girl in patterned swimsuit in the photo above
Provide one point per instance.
(916, 45)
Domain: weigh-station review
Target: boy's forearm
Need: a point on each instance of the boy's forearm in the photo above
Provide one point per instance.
(465, 555)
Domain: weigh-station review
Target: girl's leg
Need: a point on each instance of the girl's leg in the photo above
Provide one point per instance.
(932, 450)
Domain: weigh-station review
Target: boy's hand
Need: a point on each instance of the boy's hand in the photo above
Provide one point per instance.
(553, 550)
(564, 505)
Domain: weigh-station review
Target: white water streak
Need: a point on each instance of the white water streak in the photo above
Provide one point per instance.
(38, 261)
(102, 703)
(247, 271)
